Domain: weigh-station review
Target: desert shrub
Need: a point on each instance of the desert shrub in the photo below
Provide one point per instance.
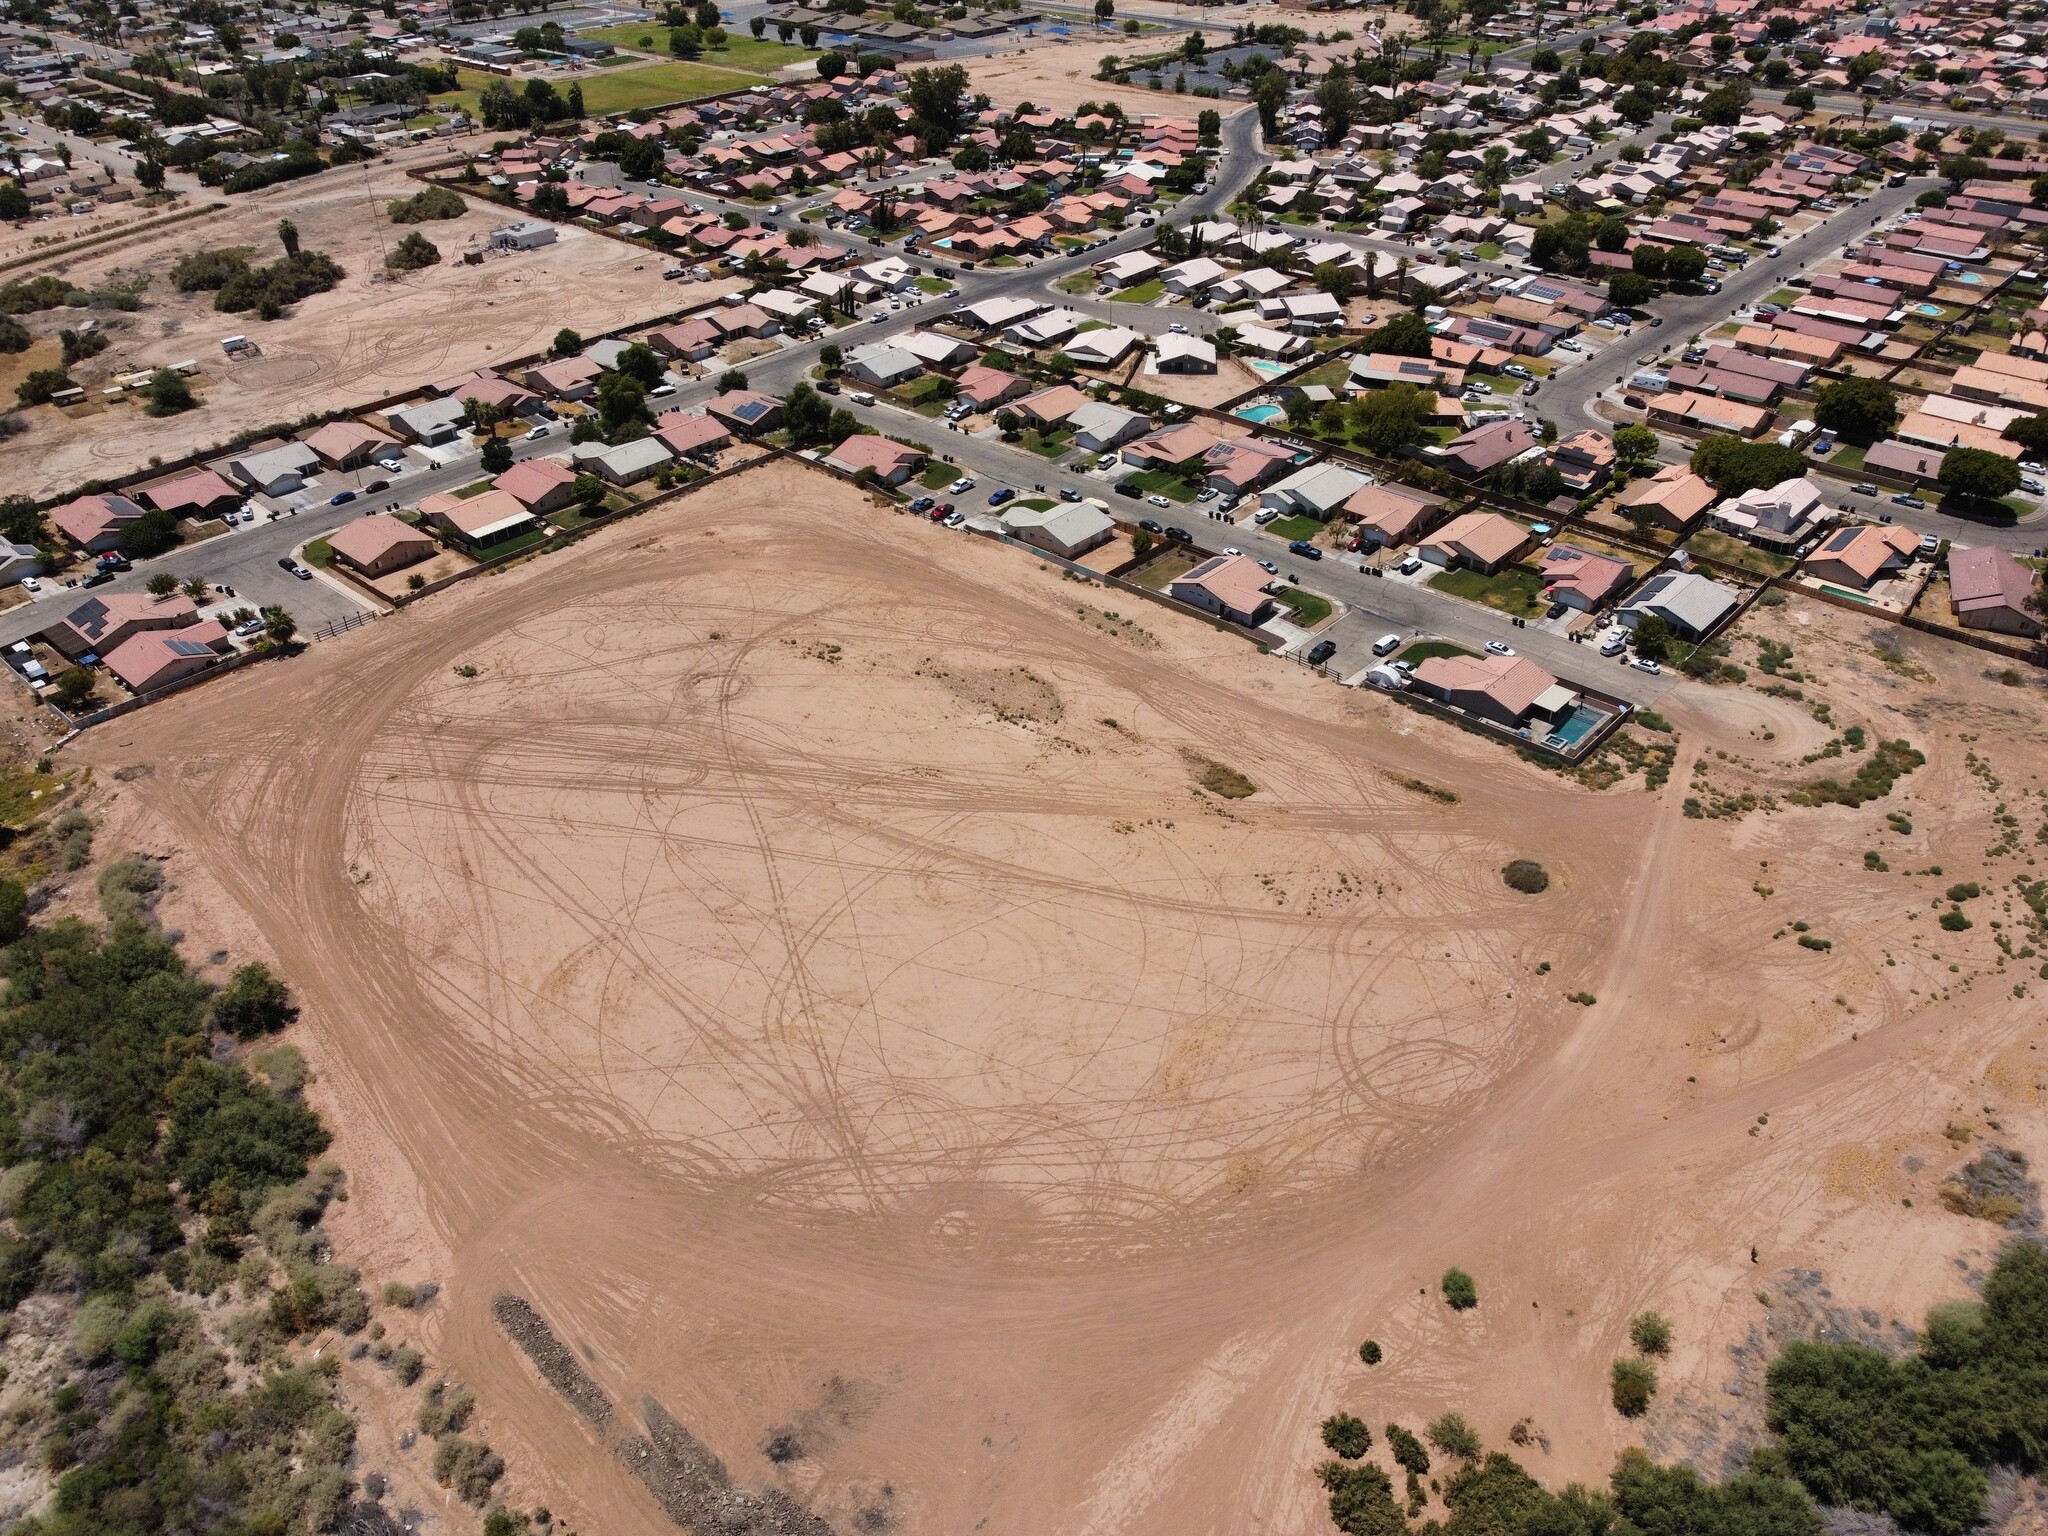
(205, 271)
(1459, 1290)
(283, 1068)
(445, 1410)
(1964, 890)
(1369, 1352)
(399, 1294)
(73, 834)
(127, 890)
(429, 203)
(1954, 920)
(406, 1364)
(1873, 781)
(1650, 1333)
(253, 1003)
(467, 1466)
(1634, 1383)
(1676, 1501)
(1450, 1434)
(1409, 1453)
(414, 252)
(1347, 1436)
(13, 910)
(1361, 1499)
(1526, 876)
(269, 290)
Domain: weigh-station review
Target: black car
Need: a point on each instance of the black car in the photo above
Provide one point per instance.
(115, 563)
(287, 563)
(1180, 535)
(1129, 488)
(378, 485)
(1150, 525)
(828, 386)
(99, 580)
(1321, 652)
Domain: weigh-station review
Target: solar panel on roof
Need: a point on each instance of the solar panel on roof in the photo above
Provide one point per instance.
(1842, 540)
(189, 648)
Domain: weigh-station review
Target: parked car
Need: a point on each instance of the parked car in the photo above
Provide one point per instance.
(1265, 515)
(1904, 500)
(1385, 644)
(376, 485)
(1410, 566)
(1615, 643)
(1000, 495)
(301, 572)
(1127, 488)
(1529, 388)
(1306, 550)
(1864, 488)
(1158, 501)
(114, 562)
(1634, 402)
(1206, 493)
(1500, 648)
(97, 579)
(30, 584)
(287, 563)
(961, 486)
(861, 397)
(954, 520)
(923, 504)
(1151, 525)
(1644, 664)
(341, 498)
(1179, 535)
(1269, 568)
(828, 386)
(1516, 371)
(537, 433)
(248, 627)
(1068, 493)
(1321, 652)
(1930, 545)
(1232, 549)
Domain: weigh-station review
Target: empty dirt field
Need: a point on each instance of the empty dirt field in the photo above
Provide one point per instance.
(833, 969)
(368, 338)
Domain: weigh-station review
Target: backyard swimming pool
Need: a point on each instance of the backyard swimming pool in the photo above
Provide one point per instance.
(1576, 726)
(1266, 368)
(1261, 413)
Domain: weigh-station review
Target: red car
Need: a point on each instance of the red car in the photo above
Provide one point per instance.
(942, 511)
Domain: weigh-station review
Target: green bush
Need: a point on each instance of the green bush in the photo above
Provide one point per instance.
(1650, 1333)
(1450, 1434)
(467, 1466)
(1346, 1436)
(1526, 876)
(1633, 1383)
(1369, 1352)
(1459, 1290)
(1409, 1452)
(253, 1003)
(1954, 920)
(430, 203)
(445, 1410)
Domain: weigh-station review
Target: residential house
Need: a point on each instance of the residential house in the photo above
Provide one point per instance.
(1237, 465)
(1104, 347)
(96, 523)
(1862, 556)
(937, 351)
(1584, 460)
(276, 471)
(379, 544)
(346, 445)
(1049, 408)
(430, 424)
(1392, 514)
(1505, 690)
(539, 485)
(1989, 589)
(156, 658)
(886, 460)
(1315, 490)
(685, 434)
(883, 365)
(565, 378)
(1691, 411)
(1913, 463)
(1690, 604)
(1194, 275)
(1068, 529)
(625, 464)
(1673, 498)
(1176, 352)
(198, 493)
(481, 522)
(1230, 586)
(746, 412)
(1479, 541)
(1168, 446)
(99, 624)
(1486, 448)
(1780, 516)
(986, 388)
(1099, 427)
(1581, 578)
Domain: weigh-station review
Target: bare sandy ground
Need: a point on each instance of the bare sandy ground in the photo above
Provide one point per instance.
(777, 966)
(1062, 76)
(367, 339)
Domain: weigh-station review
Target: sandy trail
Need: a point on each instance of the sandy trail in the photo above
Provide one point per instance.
(777, 967)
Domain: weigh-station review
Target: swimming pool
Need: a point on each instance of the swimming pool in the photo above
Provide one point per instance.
(1266, 368)
(1261, 413)
(1577, 726)
(1932, 311)
(1854, 597)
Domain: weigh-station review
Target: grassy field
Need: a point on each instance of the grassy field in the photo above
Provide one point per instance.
(1159, 573)
(1143, 293)
(1515, 589)
(624, 90)
(763, 56)
(1729, 550)
(1306, 608)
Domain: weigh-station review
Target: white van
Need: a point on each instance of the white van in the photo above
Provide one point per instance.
(861, 397)
(1386, 645)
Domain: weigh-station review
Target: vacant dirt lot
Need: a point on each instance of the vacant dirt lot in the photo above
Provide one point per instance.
(368, 338)
(811, 974)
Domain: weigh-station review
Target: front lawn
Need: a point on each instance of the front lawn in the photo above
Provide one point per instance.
(1487, 251)
(1305, 608)
(1165, 483)
(1845, 456)
(1143, 293)
(1294, 528)
(1422, 650)
(318, 553)
(1515, 589)
(933, 285)
(1080, 282)
(1050, 444)
(938, 476)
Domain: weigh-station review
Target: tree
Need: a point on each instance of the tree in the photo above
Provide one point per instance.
(195, 587)
(150, 174)
(497, 456)
(1459, 1291)
(1209, 125)
(1979, 473)
(162, 584)
(73, 688)
(642, 364)
(935, 95)
(758, 26)
(151, 534)
(278, 625)
(1269, 95)
(168, 393)
(567, 343)
(253, 1003)
(1104, 10)
(1859, 409)
(971, 158)
(830, 65)
(41, 385)
(2030, 432)
(1733, 466)
(1635, 445)
(288, 236)
(14, 201)
(1962, 168)
(1405, 335)
(621, 406)
(731, 380)
(1383, 420)
(574, 99)
(413, 252)
(1652, 637)
(1650, 1333)
(807, 415)
(1648, 259)
(1630, 290)
(1338, 281)
(1685, 264)
(21, 521)
(1452, 1435)
(1347, 1436)
(13, 911)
